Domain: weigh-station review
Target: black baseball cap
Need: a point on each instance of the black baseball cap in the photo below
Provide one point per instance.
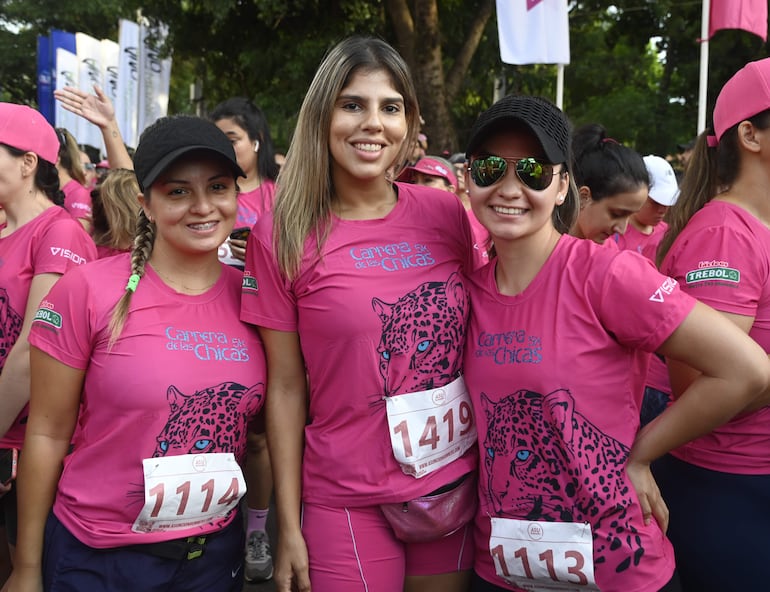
(168, 138)
(539, 115)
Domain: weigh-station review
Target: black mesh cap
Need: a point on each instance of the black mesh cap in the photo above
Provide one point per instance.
(171, 137)
(543, 118)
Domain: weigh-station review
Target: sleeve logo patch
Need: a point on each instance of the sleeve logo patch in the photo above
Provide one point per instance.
(249, 284)
(710, 274)
(48, 317)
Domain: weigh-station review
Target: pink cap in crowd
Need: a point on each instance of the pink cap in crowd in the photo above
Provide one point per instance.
(25, 128)
(746, 94)
(431, 165)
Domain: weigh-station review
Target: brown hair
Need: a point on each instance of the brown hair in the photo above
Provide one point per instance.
(115, 209)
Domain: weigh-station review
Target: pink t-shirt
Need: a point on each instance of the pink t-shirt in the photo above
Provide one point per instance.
(722, 258)
(481, 241)
(50, 243)
(647, 245)
(184, 377)
(382, 312)
(252, 205)
(551, 373)
(77, 200)
(104, 251)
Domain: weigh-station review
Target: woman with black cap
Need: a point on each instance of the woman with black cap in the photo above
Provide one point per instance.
(566, 494)
(145, 355)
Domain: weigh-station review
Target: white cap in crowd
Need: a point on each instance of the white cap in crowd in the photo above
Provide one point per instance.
(664, 188)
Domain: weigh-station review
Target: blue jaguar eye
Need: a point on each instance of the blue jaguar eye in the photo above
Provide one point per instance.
(202, 444)
(423, 345)
(490, 453)
(523, 454)
(386, 355)
(163, 445)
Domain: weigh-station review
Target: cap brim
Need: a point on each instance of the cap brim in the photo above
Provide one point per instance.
(166, 161)
(497, 124)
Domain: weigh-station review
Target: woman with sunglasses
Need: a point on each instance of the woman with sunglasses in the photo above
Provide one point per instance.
(566, 493)
(612, 182)
(356, 280)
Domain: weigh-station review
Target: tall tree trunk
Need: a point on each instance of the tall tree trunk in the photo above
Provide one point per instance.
(419, 41)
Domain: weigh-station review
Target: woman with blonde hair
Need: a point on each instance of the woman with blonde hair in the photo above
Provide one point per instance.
(357, 281)
(115, 209)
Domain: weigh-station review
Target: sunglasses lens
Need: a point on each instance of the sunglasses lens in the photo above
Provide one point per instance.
(534, 174)
(488, 170)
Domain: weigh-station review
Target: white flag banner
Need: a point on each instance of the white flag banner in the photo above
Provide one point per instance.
(110, 66)
(127, 101)
(154, 76)
(67, 68)
(89, 52)
(533, 31)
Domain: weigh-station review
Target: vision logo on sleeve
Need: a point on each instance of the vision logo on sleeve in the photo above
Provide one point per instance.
(47, 315)
(713, 271)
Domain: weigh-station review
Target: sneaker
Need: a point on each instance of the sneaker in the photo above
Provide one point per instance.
(258, 564)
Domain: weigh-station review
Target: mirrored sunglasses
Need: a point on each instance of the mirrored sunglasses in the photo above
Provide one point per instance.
(534, 173)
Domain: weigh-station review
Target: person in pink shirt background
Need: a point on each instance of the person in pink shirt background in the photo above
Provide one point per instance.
(551, 358)
(356, 285)
(435, 171)
(246, 126)
(72, 178)
(612, 181)
(145, 355)
(646, 227)
(643, 234)
(115, 209)
(39, 241)
(718, 249)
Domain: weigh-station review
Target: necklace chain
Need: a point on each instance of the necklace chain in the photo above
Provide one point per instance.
(181, 285)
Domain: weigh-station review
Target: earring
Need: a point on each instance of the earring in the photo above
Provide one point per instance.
(256, 145)
(560, 200)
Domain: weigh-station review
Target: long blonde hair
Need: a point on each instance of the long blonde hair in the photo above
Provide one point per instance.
(115, 209)
(304, 189)
(69, 155)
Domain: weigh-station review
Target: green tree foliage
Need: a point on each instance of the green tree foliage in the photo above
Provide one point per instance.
(634, 62)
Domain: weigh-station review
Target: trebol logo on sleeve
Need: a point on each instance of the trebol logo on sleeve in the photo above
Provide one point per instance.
(713, 271)
(249, 283)
(47, 315)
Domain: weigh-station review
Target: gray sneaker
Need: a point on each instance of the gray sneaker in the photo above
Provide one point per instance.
(258, 564)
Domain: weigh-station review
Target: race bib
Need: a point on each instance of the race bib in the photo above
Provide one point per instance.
(543, 556)
(188, 490)
(429, 429)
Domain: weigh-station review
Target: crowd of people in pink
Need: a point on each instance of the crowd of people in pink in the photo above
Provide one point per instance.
(536, 365)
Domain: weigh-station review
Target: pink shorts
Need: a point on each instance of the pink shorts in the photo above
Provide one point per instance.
(354, 550)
